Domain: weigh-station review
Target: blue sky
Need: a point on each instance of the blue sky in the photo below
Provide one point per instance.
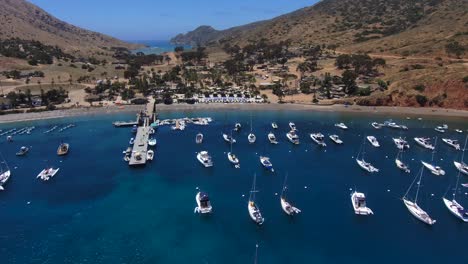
(161, 20)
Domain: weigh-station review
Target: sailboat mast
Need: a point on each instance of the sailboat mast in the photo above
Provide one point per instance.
(230, 141)
(419, 185)
(284, 186)
(433, 152)
(250, 122)
(463, 150)
(252, 192)
(256, 253)
(456, 187)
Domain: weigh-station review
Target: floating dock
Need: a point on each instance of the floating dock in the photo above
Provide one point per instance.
(125, 124)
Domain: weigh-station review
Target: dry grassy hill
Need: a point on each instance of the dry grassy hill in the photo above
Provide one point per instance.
(21, 19)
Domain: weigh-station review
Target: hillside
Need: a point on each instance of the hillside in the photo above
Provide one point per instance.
(23, 20)
(392, 26)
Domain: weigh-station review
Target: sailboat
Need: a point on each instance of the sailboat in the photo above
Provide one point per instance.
(454, 207)
(452, 142)
(233, 158)
(251, 137)
(400, 164)
(413, 206)
(364, 164)
(254, 210)
(5, 174)
(436, 170)
(287, 207)
(462, 166)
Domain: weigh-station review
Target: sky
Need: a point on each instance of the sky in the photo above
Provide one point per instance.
(160, 20)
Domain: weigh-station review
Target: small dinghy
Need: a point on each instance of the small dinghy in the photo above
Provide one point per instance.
(150, 155)
(152, 142)
(199, 138)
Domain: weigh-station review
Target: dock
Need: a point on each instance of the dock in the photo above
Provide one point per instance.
(125, 124)
(140, 147)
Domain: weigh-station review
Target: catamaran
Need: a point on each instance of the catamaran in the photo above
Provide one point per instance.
(199, 138)
(228, 139)
(364, 164)
(293, 137)
(377, 125)
(5, 174)
(274, 125)
(254, 210)
(47, 173)
(359, 204)
(373, 141)
(287, 207)
(452, 142)
(251, 137)
(401, 144)
(205, 159)
(203, 203)
(413, 206)
(292, 126)
(336, 139)
(454, 207)
(150, 155)
(319, 139)
(23, 151)
(400, 164)
(341, 125)
(233, 158)
(272, 138)
(462, 166)
(265, 161)
(424, 142)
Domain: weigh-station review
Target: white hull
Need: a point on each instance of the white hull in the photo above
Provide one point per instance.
(204, 158)
(202, 210)
(288, 208)
(366, 166)
(373, 141)
(4, 178)
(274, 125)
(456, 209)
(272, 138)
(342, 126)
(360, 209)
(402, 166)
(462, 167)
(292, 139)
(228, 139)
(377, 125)
(436, 170)
(336, 139)
(46, 174)
(401, 144)
(199, 138)
(318, 139)
(255, 213)
(150, 155)
(251, 138)
(152, 142)
(265, 161)
(419, 213)
(451, 143)
(233, 159)
(292, 126)
(423, 144)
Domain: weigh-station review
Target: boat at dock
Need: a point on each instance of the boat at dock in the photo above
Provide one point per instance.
(47, 173)
(5, 174)
(63, 149)
(254, 210)
(319, 139)
(150, 155)
(152, 142)
(358, 201)
(336, 139)
(132, 141)
(272, 138)
(205, 159)
(23, 151)
(203, 203)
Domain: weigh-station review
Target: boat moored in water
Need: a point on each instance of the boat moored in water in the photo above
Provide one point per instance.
(452, 142)
(461, 167)
(336, 139)
(424, 142)
(5, 174)
(63, 149)
(293, 137)
(272, 138)
(401, 144)
(413, 206)
(319, 139)
(436, 170)
(199, 138)
(274, 125)
(203, 203)
(292, 126)
(359, 204)
(373, 141)
(341, 125)
(228, 139)
(254, 210)
(265, 161)
(152, 142)
(23, 151)
(205, 159)
(366, 166)
(377, 125)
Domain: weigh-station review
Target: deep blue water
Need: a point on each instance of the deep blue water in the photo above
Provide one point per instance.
(99, 210)
(157, 46)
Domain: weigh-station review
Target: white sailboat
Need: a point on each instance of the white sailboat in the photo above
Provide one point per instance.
(359, 204)
(319, 139)
(364, 164)
(400, 164)
(436, 170)
(233, 158)
(401, 144)
(228, 138)
(373, 141)
(287, 207)
(254, 210)
(462, 166)
(336, 139)
(272, 138)
(199, 138)
(251, 137)
(452, 142)
(5, 174)
(413, 206)
(237, 127)
(454, 207)
(203, 203)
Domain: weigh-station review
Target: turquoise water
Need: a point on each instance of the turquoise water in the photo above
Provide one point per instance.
(157, 46)
(98, 210)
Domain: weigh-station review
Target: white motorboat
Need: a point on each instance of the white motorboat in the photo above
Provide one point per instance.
(319, 139)
(199, 138)
(413, 206)
(287, 207)
(274, 125)
(400, 164)
(424, 142)
(452, 142)
(377, 125)
(265, 161)
(254, 210)
(366, 166)
(292, 126)
(152, 142)
(293, 137)
(23, 151)
(47, 173)
(228, 138)
(203, 203)
(373, 141)
(237, 127)
(436, 170)
(341, 125)
(359, 204)
(272, 138)
(5, 174)
(205, 159)
(462, 167)
(128, 154)
(401, 144)
(150, 155)
(132, 141)
(336, 139)
(439, 129)
(444, 126)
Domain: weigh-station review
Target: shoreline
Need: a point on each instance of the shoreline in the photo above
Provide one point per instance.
(440, 112)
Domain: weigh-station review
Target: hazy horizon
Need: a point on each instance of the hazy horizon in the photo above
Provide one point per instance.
(139, 21)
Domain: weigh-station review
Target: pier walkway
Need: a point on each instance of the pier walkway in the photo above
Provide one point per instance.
(140, 147)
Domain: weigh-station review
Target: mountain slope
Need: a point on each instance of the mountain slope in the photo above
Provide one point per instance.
(412, 26)
(21, 19)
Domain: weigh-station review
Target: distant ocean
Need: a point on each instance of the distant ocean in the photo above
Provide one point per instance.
(157, 46)
(99, 210)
